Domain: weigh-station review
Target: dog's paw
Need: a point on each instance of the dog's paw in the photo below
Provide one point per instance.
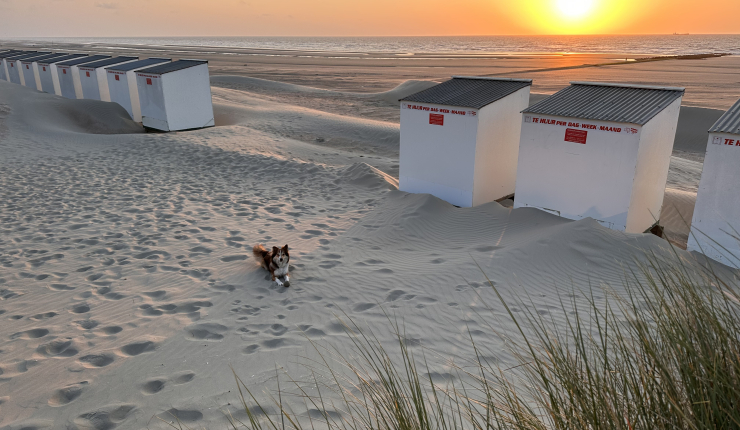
(279, 282)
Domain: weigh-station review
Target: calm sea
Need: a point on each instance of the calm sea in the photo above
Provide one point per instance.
(652, 44)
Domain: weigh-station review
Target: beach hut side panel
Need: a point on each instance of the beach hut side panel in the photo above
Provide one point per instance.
(49, 80)
(29, 78)
(66, 82)
(499, 124)
(651, 175)
(118, 87)
(577, 168)
(89, 83)
(151, 93)
(716, 220)
(14, 74)
(438, 152)
(188, 100)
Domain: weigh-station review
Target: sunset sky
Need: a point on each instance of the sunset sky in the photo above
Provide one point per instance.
(364, 17)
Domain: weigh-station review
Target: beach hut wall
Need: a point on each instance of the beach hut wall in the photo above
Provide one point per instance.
(48, 72)
(122, 84)
(176, 96)
(29, 68)
(715, 225)
(94, 79)
(14, 69)
(69, 75)
(460, 139)
(600, 151)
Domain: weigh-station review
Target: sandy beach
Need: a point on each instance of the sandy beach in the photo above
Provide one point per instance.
(127, 286)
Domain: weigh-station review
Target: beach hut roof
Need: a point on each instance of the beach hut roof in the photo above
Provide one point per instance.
(26, 55)
(633, 104)
(729, 122)
(83, 60)
(11, 53)
(173, 66)
(62, 58)
(469, 91)
(137, 64)
(46, 57)
(108, 62)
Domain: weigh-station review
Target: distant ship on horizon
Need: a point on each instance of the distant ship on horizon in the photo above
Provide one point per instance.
(680, 34)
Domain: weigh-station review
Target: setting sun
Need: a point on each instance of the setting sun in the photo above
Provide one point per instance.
(575, 8)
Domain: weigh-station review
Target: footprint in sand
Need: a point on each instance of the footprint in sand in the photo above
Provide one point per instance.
(35, 333)
(105, 418)
(152, 386)
(80, 308)
(60, 348)
(137, 348)
(67, 395)
(207, 331)
(92, 361)
(183, 378)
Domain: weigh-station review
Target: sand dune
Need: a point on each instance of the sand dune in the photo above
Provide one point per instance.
(126, 284)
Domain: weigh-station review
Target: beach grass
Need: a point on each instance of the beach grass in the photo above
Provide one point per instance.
(665, 355)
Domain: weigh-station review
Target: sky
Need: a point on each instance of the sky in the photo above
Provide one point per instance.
(130, 18)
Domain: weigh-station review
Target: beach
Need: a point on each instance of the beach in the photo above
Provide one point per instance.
(128, 291)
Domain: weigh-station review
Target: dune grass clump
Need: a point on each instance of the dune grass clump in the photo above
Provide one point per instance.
(664, 355)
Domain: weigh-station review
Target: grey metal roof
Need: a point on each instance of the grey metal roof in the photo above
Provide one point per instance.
(633, 104)
(108, 62)
(60, 59)
(173, 66)
(138, 64)
(729, 122)
(83, 60)
(12, 54)
(23, 55)
(469, 92)
(44, 57)
(34, 56)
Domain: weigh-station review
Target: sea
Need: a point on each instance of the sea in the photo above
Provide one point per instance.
(674, 44)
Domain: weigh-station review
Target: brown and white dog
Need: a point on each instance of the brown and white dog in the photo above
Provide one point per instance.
(276, 262)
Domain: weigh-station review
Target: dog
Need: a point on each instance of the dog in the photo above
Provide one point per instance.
(276, 262)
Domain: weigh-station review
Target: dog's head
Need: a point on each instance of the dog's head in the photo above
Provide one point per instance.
(280, 256)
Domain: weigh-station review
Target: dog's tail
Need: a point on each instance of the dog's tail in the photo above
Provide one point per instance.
(259, 252)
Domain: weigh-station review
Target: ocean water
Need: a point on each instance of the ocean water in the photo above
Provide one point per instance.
(629, 45)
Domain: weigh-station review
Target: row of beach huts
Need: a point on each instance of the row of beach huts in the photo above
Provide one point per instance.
(597, 150)
(160, 93)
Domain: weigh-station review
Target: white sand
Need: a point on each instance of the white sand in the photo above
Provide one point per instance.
(126, 286)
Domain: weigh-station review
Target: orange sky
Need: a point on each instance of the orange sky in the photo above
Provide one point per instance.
(360, 17)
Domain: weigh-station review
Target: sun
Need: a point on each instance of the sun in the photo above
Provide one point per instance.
(575, 9)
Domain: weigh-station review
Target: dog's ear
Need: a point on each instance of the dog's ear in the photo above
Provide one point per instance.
(275, 250)
(285, 248)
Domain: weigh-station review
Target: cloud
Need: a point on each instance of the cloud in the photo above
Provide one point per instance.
(106, 5)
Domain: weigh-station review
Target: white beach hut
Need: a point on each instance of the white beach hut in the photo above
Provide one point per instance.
(122, 84)
(5, 53)
(715, 227)
(600, 151)
(176, 96)
(29, 68)
(48, 72)
(460, 139)
(69, 75)
(6, 60)
(14, 68)
(94, 79)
